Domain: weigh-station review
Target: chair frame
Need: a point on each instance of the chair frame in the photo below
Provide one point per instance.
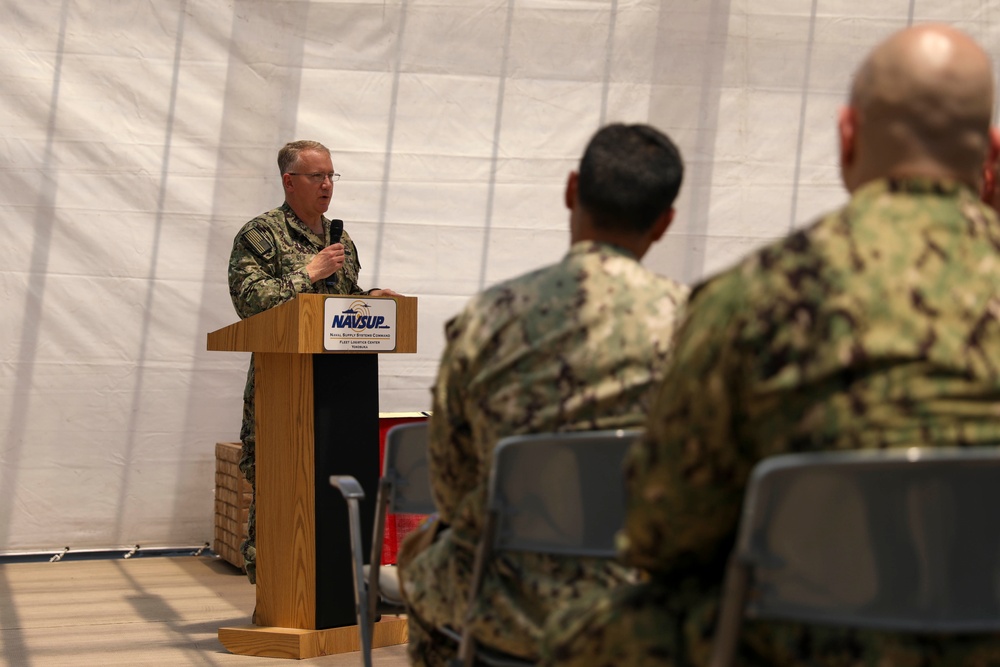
(739, 576)
(354, 494)
(388, 500)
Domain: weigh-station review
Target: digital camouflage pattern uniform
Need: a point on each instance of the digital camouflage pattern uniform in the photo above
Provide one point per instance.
(266, 269)
(875, 327)
(579, 345)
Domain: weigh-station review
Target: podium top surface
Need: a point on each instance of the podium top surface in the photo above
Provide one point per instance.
(297, 327)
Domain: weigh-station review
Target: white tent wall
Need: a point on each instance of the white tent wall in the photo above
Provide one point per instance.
(137, 137)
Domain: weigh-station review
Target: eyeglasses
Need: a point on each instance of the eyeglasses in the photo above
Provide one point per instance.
(318, 177)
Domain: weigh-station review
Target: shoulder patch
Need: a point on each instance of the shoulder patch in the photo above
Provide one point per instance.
(259, 243)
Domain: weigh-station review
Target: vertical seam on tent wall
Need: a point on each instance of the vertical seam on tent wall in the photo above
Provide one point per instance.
(495, 151)
(383, 205)
(609, 49)
(803, 105)
(700, 170)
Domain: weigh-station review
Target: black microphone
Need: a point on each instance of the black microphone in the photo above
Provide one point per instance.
(336, 230)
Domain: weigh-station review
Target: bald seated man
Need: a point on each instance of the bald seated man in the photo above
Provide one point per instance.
(874, 327)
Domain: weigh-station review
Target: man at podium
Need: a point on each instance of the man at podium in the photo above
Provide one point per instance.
(290, 250)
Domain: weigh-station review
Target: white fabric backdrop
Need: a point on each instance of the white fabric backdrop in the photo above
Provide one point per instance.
(136, 138)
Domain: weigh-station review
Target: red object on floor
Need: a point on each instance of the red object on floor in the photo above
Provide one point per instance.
(396, 527)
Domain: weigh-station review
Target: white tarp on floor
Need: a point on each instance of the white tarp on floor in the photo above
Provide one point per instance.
(137, 137)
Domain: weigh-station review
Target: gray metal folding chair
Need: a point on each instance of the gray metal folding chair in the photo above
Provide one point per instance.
(899, 540)
(404, 488)
(554, 493)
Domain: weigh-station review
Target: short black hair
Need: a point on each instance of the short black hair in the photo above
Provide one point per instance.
(629, 176)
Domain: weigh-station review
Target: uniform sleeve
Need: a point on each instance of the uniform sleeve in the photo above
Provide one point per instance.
(454, 467)
(256, 279)
(685, 477)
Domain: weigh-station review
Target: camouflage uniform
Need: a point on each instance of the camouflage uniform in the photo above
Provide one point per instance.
(575, 346)
(267, 268)
(875, 327)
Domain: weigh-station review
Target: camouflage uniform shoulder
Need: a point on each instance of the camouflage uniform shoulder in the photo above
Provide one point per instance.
(478, 309)
(677, 291)
(489, 309)
(262, 234)
(851, 245)
(274, 220)
(510, 293)
(569, 289)
(792, 258)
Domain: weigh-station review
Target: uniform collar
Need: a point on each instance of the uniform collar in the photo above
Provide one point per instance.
(295, 222)
(588, 247)
(915, 185)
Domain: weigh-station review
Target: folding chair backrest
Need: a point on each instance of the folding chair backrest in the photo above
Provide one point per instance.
(898, 540)
(405, 469)
(559, 493)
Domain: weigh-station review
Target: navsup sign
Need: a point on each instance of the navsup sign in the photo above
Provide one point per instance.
(359, 324)
(352, 319)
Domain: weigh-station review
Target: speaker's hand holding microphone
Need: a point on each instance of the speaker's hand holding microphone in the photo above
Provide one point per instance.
(330, 259)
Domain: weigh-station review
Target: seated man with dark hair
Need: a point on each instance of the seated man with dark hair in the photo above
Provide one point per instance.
(573, 346)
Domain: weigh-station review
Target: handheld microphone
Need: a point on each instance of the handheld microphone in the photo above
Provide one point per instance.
(336, 231)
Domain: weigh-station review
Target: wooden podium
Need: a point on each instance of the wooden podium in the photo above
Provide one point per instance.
(317, 415)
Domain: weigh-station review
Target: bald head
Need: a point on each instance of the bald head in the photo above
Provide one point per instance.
(921, 105)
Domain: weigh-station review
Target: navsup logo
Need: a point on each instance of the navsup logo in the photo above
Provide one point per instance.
(358, 318)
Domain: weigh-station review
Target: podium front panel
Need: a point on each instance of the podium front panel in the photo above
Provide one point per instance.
(346, 414)
(317, 415)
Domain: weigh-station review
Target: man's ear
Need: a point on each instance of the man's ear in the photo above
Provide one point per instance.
(847, 131)
(988, 192)
(572, 184)
(662, 223)
(847, 134)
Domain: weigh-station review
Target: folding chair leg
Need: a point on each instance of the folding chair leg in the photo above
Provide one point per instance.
(466, 651)
(467, 647)
(375, 562)
(730, 621)
(353, 493)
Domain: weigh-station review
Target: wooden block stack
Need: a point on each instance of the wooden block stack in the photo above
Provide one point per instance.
(232, 503)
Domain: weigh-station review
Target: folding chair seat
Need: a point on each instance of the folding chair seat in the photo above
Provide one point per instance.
(900, 540)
